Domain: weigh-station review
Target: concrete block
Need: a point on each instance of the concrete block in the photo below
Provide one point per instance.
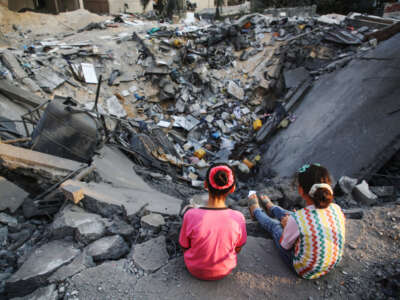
(11, 196)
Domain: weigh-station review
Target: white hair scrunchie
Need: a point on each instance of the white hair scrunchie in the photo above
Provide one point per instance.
(317, 186)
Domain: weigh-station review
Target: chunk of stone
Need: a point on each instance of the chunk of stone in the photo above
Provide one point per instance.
(152, 221)
(151, 255)
(80, 263)
(235, 91)
(110, 280)
(347, 184)
(117, 226)
(8, 220)
(44, 293)
(70, 218)
(110, 247)
(11, 196)
(362, 194)
(89, 232)
(40, 264)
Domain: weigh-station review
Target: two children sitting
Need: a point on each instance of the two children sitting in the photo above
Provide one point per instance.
(310, 240)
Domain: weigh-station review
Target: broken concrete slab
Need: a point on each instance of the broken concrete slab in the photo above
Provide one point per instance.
(89, 232)
(152, 221)
(68, 220)
(11, 196)
(41, 263)
(51, 167)
(110, 247)
(362, 194)
(260, 274)
(44, 293)
(150, 255)
(115, 168)
(20, 95)
(117, 226)
(110, 280)
(293, 78)
(342, 145)
(106, 200)
(80, 263)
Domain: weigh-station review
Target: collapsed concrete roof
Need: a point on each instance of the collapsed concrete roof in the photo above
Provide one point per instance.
(349, 121)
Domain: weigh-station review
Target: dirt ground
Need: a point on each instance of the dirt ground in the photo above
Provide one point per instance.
(40, 23)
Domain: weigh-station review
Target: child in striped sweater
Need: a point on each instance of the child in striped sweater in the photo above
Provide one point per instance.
(310, 240)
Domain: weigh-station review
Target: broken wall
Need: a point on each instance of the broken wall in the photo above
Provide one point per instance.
(324, 6)
(202, 4)
(17, 5)
(117, 6)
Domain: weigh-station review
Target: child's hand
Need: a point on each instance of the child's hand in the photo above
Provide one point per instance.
(284, 221)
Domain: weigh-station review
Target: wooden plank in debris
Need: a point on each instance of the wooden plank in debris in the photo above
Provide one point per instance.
(13, 157)
(385, 33)
(20, 95)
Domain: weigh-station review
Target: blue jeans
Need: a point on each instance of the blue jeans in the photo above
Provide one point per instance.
(274, 227)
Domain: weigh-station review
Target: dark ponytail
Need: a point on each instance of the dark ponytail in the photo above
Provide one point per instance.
(309, 175)
(322, 198)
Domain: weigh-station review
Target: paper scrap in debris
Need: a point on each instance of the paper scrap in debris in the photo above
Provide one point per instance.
(115, 108)
(164, 124)
(89, 73)
(187, 122)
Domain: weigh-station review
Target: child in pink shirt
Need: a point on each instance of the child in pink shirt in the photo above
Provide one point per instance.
(212, 236)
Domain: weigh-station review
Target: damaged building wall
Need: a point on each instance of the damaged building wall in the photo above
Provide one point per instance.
(115, 6)
(324, 6)
(51, 6)
(16, 5)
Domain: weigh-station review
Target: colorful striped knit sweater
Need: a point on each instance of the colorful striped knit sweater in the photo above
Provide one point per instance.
(321, 241)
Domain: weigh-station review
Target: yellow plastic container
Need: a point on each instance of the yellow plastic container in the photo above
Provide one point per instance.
(200, 153)
(257, 124)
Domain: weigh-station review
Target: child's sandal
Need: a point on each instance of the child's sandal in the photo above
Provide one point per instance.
(264, 201)
(252, 200)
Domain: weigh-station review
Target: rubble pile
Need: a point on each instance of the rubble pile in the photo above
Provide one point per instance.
(84, 113)
(216, 89)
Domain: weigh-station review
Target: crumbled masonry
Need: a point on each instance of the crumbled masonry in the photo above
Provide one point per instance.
(108, 125)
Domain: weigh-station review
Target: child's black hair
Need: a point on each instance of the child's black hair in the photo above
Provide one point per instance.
(315, 174)
(221, 179)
